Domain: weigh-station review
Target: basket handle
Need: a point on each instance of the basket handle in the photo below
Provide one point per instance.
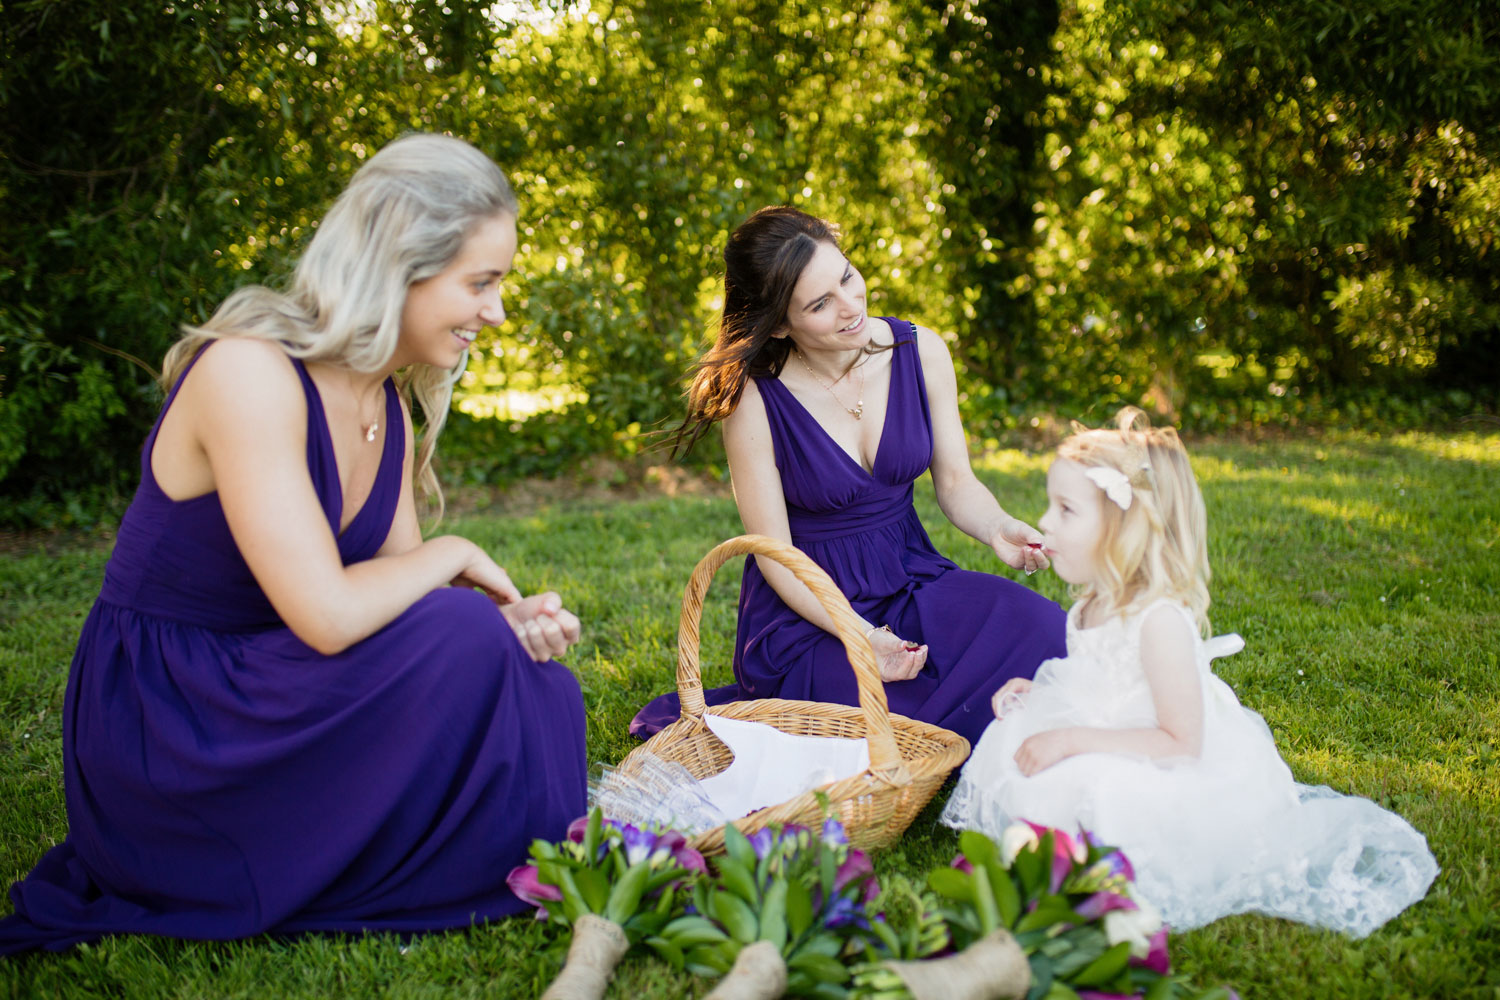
(885, 756)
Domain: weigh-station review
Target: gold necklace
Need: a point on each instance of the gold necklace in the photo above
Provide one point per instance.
(858, 409)
(374, 425)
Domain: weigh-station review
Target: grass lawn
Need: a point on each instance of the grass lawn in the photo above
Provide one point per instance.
(1361, 571)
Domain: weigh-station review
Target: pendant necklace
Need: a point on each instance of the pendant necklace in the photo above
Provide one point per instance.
(858, 409)
(374, 425)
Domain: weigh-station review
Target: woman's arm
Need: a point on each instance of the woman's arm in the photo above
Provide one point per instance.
(545, 628)
(965, 501)
(248, 415)
(1176, 691)
(762, 506)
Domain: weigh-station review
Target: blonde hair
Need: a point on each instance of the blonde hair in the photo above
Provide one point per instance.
(403, 217)
(1159, 546)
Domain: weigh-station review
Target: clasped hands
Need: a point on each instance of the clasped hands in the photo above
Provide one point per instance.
(544, 627)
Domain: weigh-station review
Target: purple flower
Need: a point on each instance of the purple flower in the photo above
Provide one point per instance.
(523, 881)
(762, 841)
(638, 843)
(1157, 959)
(1065, 851)
(1101, 903)
(857, 868)
(843, 911)
(577, 829)
(964, 865)
(833, 833)
(683, 856)
(1116, 863)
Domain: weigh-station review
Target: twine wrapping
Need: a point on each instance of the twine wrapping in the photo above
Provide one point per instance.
(992, 968)
(597, 947)
(759, 973)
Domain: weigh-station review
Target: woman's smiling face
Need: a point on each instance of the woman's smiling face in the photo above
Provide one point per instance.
(827, 311)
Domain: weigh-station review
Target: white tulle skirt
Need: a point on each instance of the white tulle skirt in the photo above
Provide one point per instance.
(1230, 832)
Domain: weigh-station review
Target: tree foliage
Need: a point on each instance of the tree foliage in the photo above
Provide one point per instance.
(1228, 211)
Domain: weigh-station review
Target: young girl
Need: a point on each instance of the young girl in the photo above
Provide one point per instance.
(1132, 737)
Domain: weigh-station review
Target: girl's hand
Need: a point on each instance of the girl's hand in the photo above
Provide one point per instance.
(1041, 750)
(1019, 545)
(1010, 696)
(483, 572)
(898, 659)
(545, 628)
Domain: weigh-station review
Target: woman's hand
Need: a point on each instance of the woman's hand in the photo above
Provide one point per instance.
(484, 573)
(1019, 545)
(1009, 696)
(898, 659)
(545, 628)
(1041, 750)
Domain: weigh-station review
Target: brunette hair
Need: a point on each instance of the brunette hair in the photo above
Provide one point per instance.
(763, 259)
(1158, 547)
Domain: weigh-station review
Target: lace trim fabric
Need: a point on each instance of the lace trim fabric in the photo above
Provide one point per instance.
(1230, 832)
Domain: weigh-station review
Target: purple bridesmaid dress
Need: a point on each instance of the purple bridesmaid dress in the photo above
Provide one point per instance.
(224, 779)
(980, 629)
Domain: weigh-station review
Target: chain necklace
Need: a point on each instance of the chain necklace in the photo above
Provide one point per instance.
(374, 425)
(856, 411)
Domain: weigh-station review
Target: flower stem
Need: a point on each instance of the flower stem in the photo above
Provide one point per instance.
(759, 973)
(597, 947)
(992, 968)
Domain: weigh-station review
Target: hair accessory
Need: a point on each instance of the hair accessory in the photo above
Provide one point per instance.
(1114, 483)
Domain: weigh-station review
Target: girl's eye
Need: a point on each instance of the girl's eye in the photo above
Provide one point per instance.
(847, 275)
(820, 305)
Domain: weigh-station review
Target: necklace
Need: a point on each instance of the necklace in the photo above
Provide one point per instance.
(374, 425)
(858, 409)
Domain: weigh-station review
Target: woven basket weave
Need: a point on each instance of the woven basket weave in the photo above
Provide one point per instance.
(908, 759)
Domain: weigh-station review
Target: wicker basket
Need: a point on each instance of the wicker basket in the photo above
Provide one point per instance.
(908, 759)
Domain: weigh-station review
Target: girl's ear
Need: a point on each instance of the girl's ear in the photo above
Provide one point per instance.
(781, 332)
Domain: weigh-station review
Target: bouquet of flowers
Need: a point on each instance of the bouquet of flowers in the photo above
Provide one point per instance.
(781, 910)
(614, 884)
(1041, 915)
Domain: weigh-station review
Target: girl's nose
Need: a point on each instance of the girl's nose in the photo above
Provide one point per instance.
(493, 310)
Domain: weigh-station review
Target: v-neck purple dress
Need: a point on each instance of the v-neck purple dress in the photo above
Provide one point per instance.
(224, 779)
(980, 629)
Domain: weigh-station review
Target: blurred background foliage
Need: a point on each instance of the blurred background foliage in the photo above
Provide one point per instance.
(1266, 213)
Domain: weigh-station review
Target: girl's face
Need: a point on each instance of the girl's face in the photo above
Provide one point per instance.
(1073, 523)
(445, 312)
(827, 311)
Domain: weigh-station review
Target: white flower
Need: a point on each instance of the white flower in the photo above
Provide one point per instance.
(1136, 926)
(1016, 838)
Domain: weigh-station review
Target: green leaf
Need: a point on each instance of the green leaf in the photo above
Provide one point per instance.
(736, 916)
(773, 915)
(593, 888)
(799, 909)
(951, 883)
(737, 879)
(822, 968)
(1007, 896)
(625, 897)
(979, 849)
(1106, 967)
(984, 900)
(592, 834)
(670, 951)
(737, 846)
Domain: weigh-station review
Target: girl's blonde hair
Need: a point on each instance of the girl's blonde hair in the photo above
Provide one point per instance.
(403, 218)
(1159, 546)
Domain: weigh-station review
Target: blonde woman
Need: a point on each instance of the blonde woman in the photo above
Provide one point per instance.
(280, 716)
(1133, 738)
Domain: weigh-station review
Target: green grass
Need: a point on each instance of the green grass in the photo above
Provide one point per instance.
(1361, 571)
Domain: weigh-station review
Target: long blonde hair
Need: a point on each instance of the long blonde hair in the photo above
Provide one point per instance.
(403, 218)
(1159, 546)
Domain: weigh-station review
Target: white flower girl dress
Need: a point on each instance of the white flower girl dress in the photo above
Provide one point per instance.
(1226, 833)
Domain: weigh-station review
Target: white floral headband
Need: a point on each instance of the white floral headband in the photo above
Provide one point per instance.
(1114, 483)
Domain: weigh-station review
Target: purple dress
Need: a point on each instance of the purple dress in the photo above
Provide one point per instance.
(224, 779)
(980, 629)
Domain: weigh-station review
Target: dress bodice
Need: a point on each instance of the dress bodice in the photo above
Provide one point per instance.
(176, 559)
